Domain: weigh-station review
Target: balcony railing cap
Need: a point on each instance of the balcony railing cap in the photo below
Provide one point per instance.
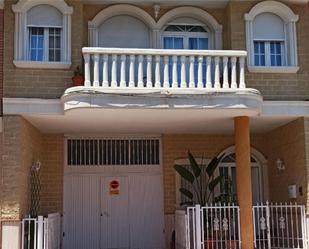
(164, 52)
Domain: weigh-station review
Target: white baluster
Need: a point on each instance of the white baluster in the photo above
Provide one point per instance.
(96, 59)
(123, 71)
(200, 72)
(166, 78)
(114, 71)
(149, 71)
(233, 83)
(208, 73)
(225, 73)
(175, 75)
(105, 71)
(131, 71)
(242, 83)
(157, 72)
(191, 73)
(87, 69)
(217, 72)
(183, 72)
(140, 81)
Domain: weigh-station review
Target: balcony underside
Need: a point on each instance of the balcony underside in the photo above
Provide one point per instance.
(235, 101)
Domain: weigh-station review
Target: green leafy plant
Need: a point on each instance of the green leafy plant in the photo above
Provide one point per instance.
(78, 71)
(201, 178)
(228, 194)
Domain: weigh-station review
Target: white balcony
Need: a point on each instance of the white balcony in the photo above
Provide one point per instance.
(211, 82)
(162, 69)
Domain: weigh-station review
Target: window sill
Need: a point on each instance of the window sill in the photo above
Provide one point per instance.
(42, 65)
(256, 69)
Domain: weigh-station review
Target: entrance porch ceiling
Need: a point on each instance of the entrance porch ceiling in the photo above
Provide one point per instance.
(134, 121)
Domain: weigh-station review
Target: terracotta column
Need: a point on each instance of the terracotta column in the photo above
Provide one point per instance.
(243, 180)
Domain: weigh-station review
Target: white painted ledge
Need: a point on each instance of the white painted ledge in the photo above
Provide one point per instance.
(255, 69)
(42, 65)
(285, 108)
(32, 106)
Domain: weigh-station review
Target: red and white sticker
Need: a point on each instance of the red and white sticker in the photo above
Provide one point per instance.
(114, 187)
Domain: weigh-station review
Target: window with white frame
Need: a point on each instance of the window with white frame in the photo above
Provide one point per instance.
(271, 38)
(42, 34)
(269, 43)
(44, 26)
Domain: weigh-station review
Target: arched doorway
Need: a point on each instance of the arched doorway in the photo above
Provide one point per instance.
(227, 169)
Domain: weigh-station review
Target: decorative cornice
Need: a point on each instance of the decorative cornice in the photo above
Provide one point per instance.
(24, 5)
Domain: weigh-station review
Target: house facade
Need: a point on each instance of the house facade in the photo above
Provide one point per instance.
(159, 79)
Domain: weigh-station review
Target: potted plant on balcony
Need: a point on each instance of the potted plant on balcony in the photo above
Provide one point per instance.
(203, 182)
(78, 78)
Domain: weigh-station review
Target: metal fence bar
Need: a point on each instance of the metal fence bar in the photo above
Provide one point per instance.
(280, 225)
(213, 227)
(41, 233)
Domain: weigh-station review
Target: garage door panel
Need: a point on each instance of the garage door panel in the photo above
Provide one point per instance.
(81, 212)
(146, 211)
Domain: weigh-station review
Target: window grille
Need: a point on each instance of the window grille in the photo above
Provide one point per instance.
(104, 152)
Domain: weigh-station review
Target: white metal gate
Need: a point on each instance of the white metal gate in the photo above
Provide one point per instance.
(279, 226)
(212, 227)
(41, 232)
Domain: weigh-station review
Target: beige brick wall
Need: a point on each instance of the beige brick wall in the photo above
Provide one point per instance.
(52, 174)
(22, 144)
(21, 147)
(37, 82)
(288, 144)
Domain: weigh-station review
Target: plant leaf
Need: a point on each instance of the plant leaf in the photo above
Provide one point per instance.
(194, 165)
(214, 183)
(186, 192)
(184, 173)
(211, 167)
(186, 203)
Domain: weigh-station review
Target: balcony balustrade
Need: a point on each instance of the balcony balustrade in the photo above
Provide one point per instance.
(126, 68)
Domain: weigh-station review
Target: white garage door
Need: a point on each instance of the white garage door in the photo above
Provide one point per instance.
(113, 206)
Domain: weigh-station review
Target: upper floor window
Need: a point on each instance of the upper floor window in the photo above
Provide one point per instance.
(185, 37)
(42, 34)
(44, 26)
(271, 38)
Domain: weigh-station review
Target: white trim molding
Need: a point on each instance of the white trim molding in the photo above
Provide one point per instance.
(119, 9)
(42, 65)
(24, 5)
(196, 13)
(258, 69)
(18, 106)
(20, 35)
(289, 19)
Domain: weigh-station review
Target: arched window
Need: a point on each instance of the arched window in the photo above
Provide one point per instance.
(269, 43)
(44, 28)
(42, 34)
(271, 38)
(185, 33)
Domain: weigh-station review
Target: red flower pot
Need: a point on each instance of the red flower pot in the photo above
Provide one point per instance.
(78, 80)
